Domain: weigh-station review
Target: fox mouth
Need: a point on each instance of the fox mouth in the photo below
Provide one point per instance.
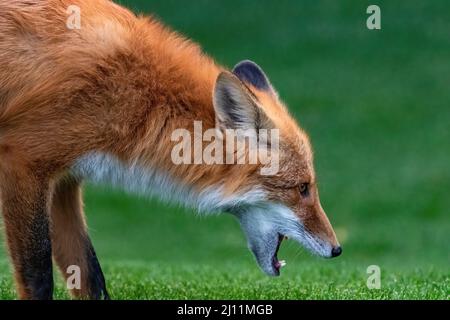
(265, 230)
(278, 264)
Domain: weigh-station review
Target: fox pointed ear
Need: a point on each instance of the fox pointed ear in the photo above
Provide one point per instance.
(252, 74)
(234, 105)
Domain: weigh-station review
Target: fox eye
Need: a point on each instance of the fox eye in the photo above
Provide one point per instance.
(304, 189)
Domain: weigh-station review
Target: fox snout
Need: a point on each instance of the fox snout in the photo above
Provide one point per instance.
(318, 226)
(336, 251)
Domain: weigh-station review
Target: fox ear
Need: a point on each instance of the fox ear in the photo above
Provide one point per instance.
(252, 74)
(234, 105)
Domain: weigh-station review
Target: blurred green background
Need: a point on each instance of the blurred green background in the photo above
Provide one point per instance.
(377, 107)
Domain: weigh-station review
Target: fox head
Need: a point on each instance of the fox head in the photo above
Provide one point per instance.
(288, 203)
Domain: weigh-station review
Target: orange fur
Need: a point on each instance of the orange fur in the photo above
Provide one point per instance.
(120, 85)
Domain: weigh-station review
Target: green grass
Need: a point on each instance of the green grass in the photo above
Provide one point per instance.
(238, 281)
(377, 107)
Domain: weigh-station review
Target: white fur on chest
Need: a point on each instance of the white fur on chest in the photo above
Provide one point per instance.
(104, 169)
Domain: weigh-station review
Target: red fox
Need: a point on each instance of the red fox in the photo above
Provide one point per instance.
(100, 103)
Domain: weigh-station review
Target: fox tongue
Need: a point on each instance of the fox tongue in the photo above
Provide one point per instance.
(277, 264)
(280, 264)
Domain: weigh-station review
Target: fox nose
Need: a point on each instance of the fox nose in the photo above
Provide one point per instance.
(336, 251)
